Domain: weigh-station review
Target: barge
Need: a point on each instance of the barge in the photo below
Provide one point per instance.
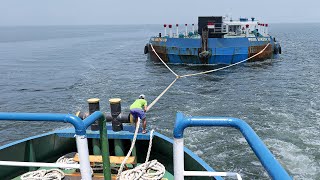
(218, 40)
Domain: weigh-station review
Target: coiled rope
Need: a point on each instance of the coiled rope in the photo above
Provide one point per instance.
(43, 174)
(143, 171)
(194, 74)
(150, 170)
(67, 159)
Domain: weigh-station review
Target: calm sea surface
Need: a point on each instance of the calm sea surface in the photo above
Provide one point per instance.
(57, 68)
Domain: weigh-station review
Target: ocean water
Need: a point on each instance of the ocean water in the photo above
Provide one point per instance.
(57, 68)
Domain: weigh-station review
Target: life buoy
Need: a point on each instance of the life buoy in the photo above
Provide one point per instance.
(146, 49)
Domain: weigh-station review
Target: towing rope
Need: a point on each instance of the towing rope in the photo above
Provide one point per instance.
(150, 170)
(163, 61)
(156, 100)
(225, 67)
(131, 148)
(194, 74)
(143, 171)
(150, 145)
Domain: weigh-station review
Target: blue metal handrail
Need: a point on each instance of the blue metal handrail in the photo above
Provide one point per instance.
(269, 162)
(80, 130)
(79, 125)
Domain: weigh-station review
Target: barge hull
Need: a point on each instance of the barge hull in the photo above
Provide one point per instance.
(222, 50)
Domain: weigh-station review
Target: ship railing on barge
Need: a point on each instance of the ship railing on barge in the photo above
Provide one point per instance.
(251, 37)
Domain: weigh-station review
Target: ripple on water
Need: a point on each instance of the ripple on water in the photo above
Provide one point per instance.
(278, 98)
(295, 158)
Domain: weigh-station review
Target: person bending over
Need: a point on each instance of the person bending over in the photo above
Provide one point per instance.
(138, 109)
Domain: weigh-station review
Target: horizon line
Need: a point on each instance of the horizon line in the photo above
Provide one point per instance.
(130, 24)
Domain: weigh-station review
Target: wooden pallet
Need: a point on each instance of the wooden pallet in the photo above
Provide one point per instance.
(95, 176)
(113, 159)
(98, 159)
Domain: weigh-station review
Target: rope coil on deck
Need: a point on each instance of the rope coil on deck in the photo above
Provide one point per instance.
(43, 174)
(67, 159)
(150, 170)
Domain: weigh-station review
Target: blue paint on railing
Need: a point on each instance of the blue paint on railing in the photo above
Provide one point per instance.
(92, 118)
(79, 125)
(269, 162)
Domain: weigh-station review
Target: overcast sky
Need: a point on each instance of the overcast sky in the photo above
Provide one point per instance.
(91, 12)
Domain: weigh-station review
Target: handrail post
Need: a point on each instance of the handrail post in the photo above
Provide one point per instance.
(178, 159)
(105, 148)
(82, 146)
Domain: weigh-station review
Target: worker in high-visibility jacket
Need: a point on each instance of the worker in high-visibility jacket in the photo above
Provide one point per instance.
(138, 109)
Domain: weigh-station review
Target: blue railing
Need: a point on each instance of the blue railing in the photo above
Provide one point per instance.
(80, 130)
(269, 162)
(79, 125)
